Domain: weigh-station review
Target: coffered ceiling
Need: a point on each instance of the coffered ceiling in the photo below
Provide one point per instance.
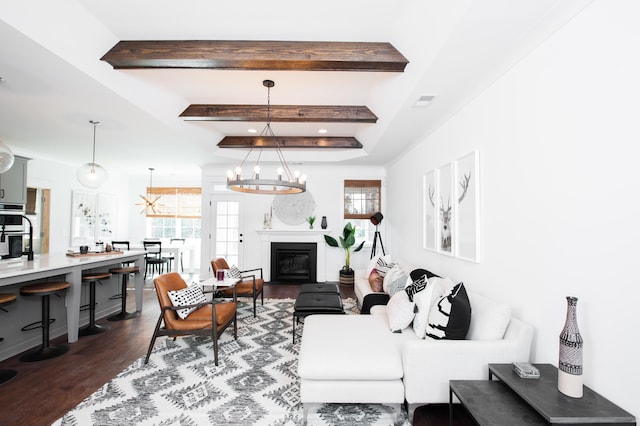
(170, 81)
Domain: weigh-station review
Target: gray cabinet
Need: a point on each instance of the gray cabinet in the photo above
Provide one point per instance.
(13, 183)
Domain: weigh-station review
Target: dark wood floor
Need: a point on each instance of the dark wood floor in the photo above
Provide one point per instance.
(42, 392)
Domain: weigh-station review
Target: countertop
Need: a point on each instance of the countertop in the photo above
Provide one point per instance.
(10, 268)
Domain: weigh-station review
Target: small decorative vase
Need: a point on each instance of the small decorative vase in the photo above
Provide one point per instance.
(311, 226)
(570, 360)
(323, 223)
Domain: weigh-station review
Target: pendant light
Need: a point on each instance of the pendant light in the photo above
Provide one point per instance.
(92, 175)
(6, 157)
(290, 183)
(150, 204)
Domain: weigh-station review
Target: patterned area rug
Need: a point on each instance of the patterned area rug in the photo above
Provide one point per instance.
(255, 383)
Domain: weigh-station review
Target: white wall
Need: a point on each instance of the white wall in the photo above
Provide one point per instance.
(558, 139)
(326, 185)
(61, 179)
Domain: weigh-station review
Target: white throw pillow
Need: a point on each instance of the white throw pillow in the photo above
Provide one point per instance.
(423, 300)
(441, 286)
(187, 296)
(394, 280)
(489, 319)
(399, 311)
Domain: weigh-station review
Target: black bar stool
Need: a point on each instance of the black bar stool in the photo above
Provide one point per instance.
(6, 374)
(93, 328)
(123, 314)
(44, 290)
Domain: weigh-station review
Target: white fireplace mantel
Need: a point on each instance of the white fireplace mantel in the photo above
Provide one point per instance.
(267, 236)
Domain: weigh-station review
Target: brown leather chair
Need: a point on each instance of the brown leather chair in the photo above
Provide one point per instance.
(209, 319)
(250, 286)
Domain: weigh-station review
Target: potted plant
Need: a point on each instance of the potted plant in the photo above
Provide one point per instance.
(310, 220)
(347, 241)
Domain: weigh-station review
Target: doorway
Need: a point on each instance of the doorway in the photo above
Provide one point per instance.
(38, 210)
(226, 224)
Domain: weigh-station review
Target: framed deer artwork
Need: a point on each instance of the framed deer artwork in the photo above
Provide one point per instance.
(467, 215)
(430, 216)
(451, 208)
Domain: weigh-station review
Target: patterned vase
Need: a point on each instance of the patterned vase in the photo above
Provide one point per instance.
(570, 361)
(323, 224)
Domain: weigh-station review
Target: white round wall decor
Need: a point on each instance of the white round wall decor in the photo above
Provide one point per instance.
(294, 209)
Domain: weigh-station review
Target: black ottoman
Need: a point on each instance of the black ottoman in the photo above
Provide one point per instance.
(315, 303)
(319, 288)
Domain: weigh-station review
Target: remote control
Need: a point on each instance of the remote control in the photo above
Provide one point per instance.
(526, 370)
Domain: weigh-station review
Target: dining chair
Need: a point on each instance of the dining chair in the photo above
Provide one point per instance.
(153, 257)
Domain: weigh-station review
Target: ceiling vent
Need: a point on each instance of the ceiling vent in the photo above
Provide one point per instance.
(424, 100)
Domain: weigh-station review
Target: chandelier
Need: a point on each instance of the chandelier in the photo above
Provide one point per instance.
(286, 183)
(149, 203)
(92, 175)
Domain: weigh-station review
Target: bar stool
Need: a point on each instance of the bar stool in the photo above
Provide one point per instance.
(93, 328)
(6, 374)
(44, 290)
(123, 314)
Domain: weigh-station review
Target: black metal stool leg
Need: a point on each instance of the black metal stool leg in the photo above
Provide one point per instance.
(46, 351)
(93, 328)
(123, 314)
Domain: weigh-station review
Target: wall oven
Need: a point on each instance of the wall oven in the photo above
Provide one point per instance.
(12, 229)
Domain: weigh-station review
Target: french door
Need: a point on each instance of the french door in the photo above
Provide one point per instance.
(226, 226)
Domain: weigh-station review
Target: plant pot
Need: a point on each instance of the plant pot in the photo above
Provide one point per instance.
(346, 276)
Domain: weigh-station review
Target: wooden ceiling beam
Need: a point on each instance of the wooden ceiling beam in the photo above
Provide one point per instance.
(280, 113)
(289, 142)
(256, 55)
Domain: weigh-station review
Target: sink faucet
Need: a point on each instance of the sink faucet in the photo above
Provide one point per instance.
(29, 252)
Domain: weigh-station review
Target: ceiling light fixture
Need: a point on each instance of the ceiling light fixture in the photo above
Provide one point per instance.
(92, 175)
(148, 203)
(6, 157)
(322, 131)
(290, 183)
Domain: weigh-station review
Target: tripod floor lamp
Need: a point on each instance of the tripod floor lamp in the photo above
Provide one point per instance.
(376, 219)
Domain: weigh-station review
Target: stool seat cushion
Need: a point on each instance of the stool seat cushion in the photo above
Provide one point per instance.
(96, 276)
(44, 288)
(7, 298)
(125, 270)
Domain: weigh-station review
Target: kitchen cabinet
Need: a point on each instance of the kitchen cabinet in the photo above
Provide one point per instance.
(13, 183)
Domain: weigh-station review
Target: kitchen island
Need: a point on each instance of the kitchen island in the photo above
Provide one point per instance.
(16, 272)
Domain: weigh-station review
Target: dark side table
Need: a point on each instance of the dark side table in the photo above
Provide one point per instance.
(516, 401)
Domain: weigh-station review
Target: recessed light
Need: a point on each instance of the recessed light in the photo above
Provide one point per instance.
(424, 100)
(252, 131)
(322, 131)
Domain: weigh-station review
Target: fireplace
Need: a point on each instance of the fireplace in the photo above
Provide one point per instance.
(293, 263)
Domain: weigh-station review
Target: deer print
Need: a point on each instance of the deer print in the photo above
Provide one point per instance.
(446, 214)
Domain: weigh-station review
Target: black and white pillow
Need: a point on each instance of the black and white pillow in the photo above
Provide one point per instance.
(450, 316)
(384, 265)
(416, 286)
(234, 272)
(187, 296)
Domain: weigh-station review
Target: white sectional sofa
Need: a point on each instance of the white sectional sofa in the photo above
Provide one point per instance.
(357, 359)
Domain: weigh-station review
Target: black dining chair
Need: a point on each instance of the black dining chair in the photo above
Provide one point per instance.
(153, 258)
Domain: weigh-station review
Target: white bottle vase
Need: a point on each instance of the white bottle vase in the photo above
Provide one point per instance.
(570, 360)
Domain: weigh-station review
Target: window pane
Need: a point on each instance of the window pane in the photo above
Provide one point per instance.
(234, 208)
(221, 208)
